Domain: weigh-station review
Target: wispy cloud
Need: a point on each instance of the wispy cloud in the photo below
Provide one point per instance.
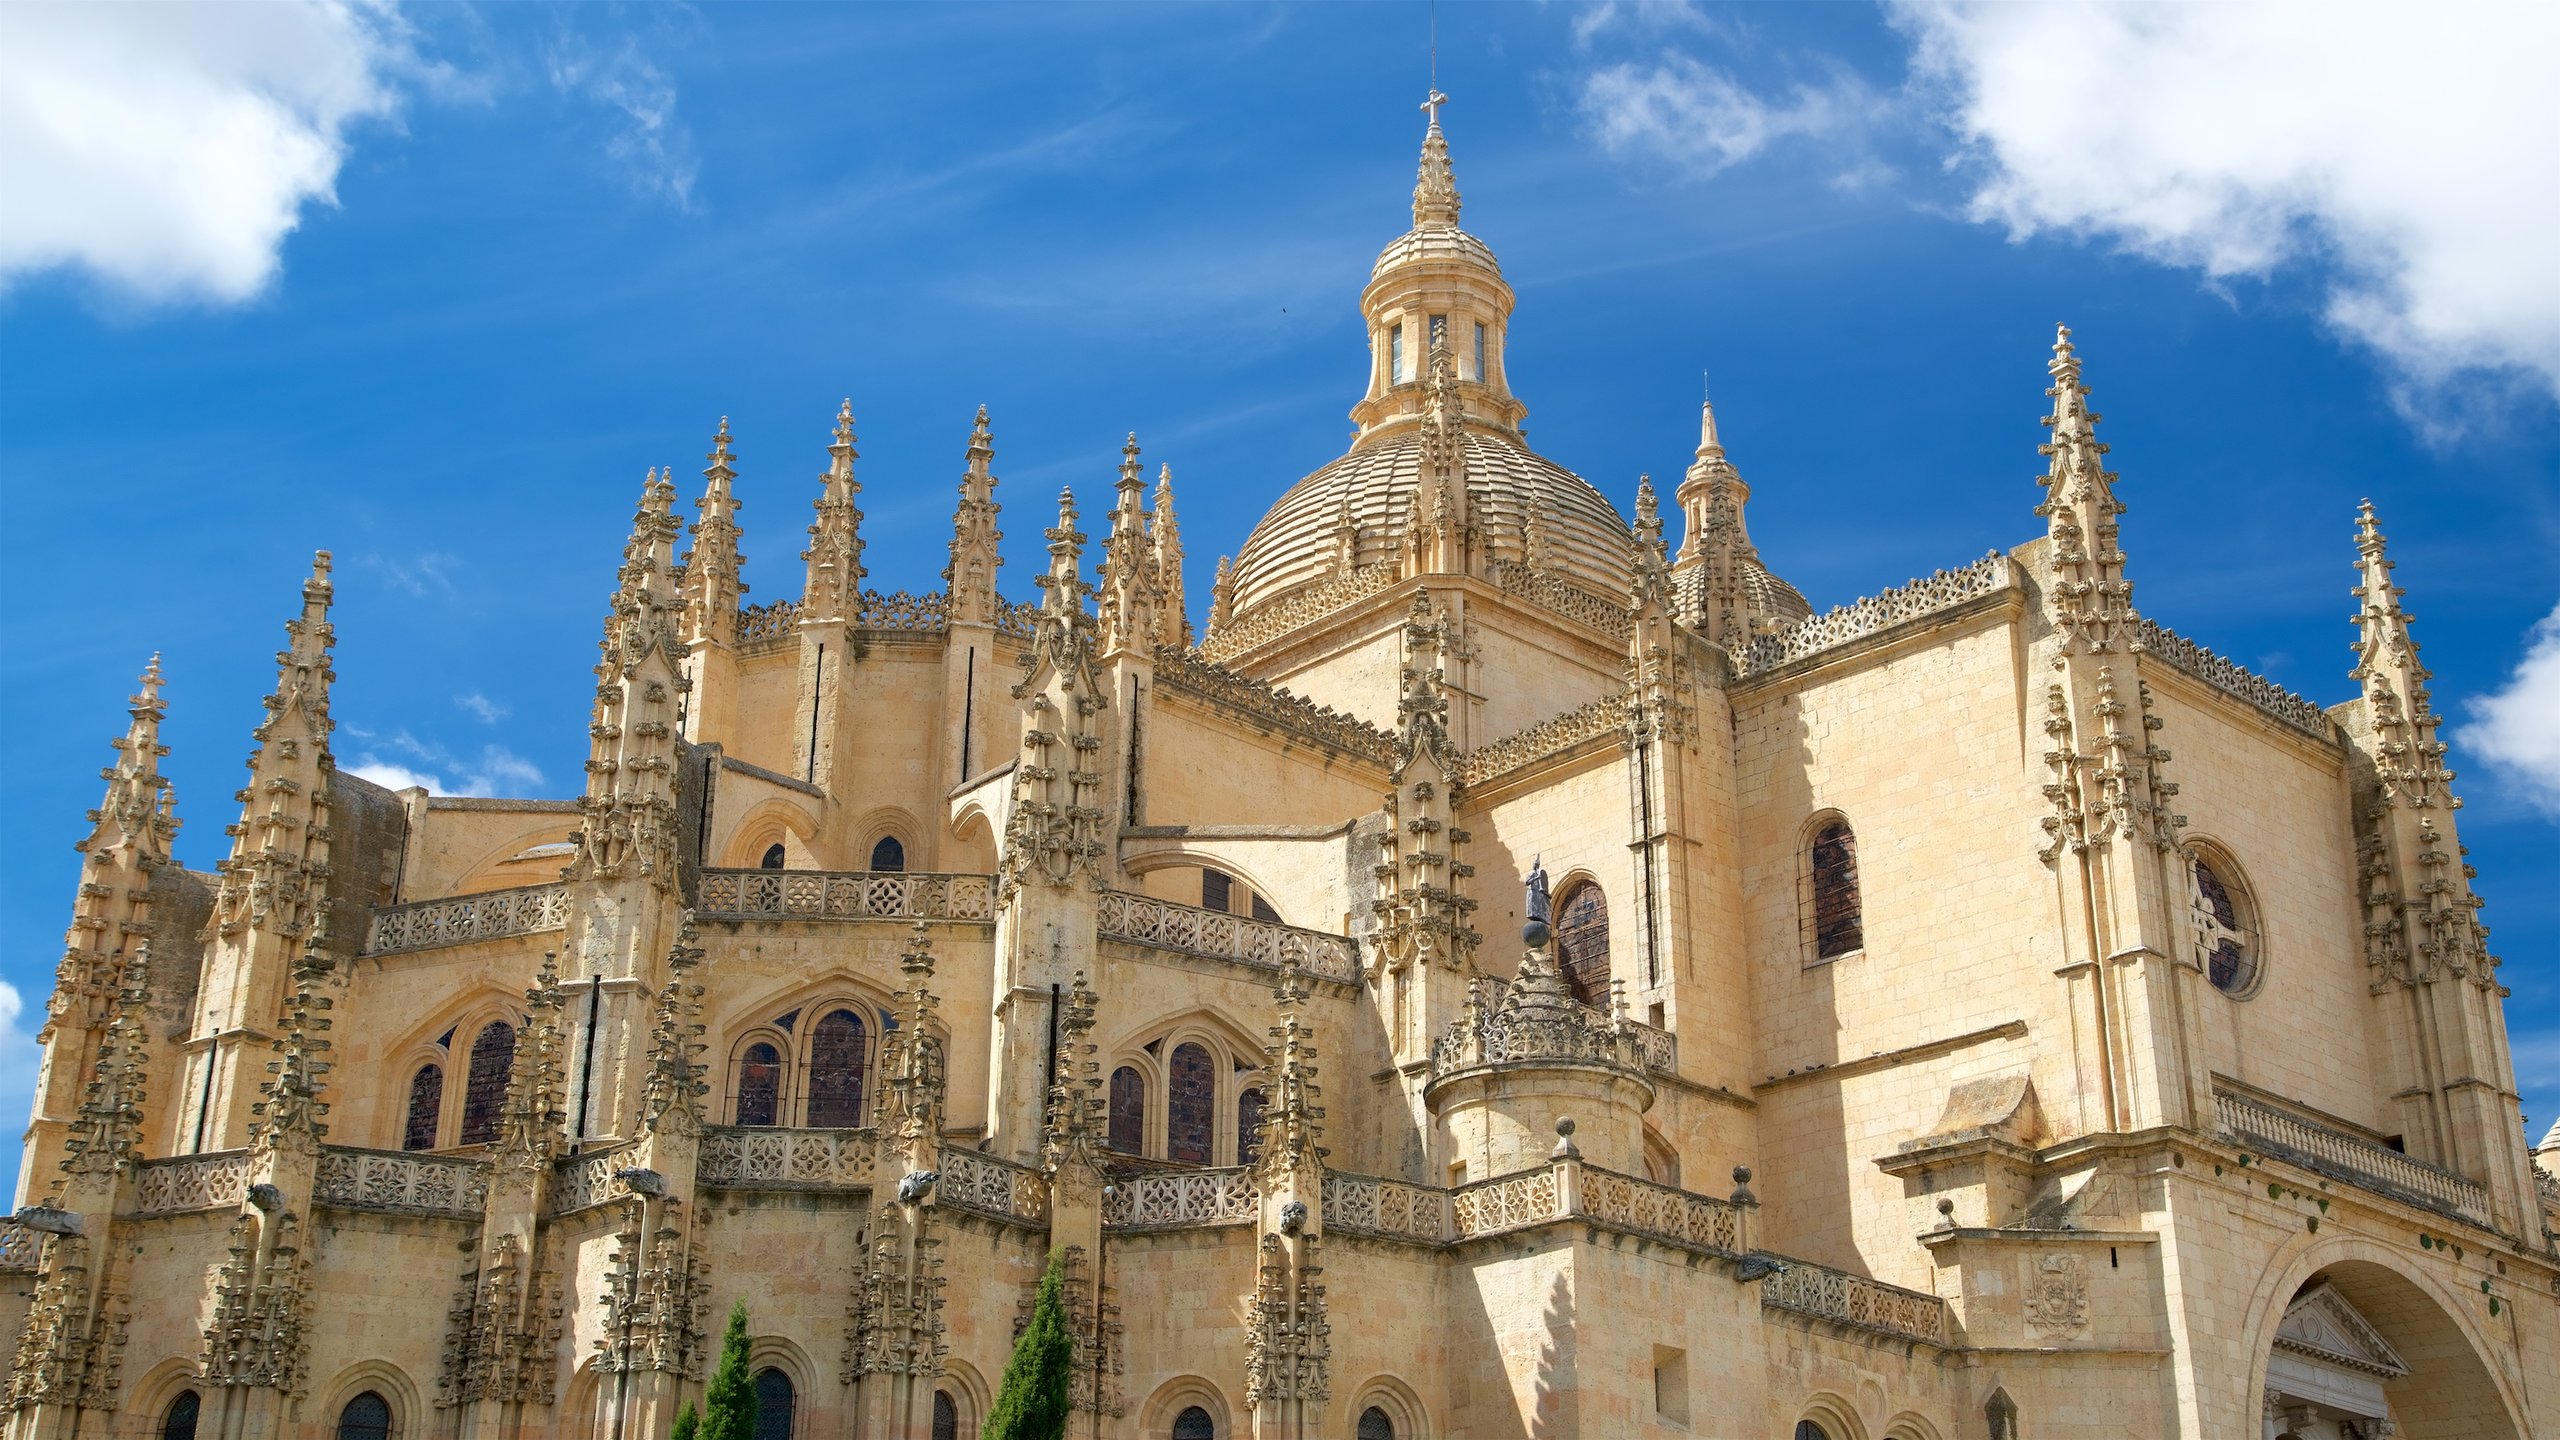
(482, 708)
(650, 144)
(18, 1056)
(168, 150)
(2410, 163)
(1701, 119)
(2516, 728)
(401, 760)
(421, 575)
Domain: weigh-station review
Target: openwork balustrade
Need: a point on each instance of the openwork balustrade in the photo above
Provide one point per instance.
(1554, 593)
(844, 895)
(1173, 1199)
(584, 1180)
(1304, 607)
(756, 1157)
(1926, 596)
(1368, 1205)
(1229, 937)
(1828, 1294)
(998, 1188)
(21, 1249)
(1530, 1198)
(762, 627)
(1659, 1047)
(2164, 644)
(1647, 1208)
(489, 915)
(1605, 715)
(193, 1182)
(396, 1180)
(2345, 1157)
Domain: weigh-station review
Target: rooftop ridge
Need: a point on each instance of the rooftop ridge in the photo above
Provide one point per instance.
(1928, 595)
(1204, 679)
(2230, 677)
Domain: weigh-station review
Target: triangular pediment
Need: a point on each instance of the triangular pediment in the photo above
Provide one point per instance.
(2321, 1324)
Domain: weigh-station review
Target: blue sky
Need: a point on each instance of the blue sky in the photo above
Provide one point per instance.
(432, 288)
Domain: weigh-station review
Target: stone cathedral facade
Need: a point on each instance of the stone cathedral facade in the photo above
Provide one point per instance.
(1969, 1014)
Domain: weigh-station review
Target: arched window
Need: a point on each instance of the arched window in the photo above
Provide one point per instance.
(1190, 1105)
(889, 854)
(367, 1417)
(426, 1107)
(1374, 1425)
(773, 857)
(946, 1417)
(760, 1085)
(1128, 1111)
(1194, 1424)
(484, 1089)
(2000, 1416)
(1249, 1126)
(775, 1403)
(835, 1071)
(1582, 943)
(1808, 1430)
(180, 1423)
(1217, 889)
(1839, 924)
(2225, 927)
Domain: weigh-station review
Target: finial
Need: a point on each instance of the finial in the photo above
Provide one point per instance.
(1431, 106)
(151, 677)
(1164, 479)
(844, 422)
(1129, 470)
(1710, 446)
(1435, 191)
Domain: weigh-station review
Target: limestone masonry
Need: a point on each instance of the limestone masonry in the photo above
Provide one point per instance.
(1509, 976)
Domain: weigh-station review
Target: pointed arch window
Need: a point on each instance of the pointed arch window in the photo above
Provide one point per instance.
(946, 1417)
(1811, 1430)
(773, 858)
(1249, 1126)
(426, 1108)
(836, 1052)
(1194, 1424)
(1375, 1425)
(180, 1422)
(484, 1086)
(1191, 1098)
(1582, 943)
(366, 1417)
(759, 1086)
(777, 1404)
(889, 855)
(1128, 1131)
(2000, 1416)
(1839, 913)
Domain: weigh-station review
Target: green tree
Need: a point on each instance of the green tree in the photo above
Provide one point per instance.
(729, 1411)
(1031, 1404)
(688, 1422)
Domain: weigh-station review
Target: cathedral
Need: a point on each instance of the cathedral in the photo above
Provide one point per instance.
(1515, 971)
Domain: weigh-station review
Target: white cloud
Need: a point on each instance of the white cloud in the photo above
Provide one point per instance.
(2412, 158)
(482, 708)
(168, 149)
(653, 147)
(496, 770)
(2517, 728)
(394, 777)
(1703, 120)
(18, 1056)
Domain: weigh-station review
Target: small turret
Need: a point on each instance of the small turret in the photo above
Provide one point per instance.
(1128, 583)
(971, 575)
(712, 589)
(2087, 596)
(831, 592)
(1164, 536)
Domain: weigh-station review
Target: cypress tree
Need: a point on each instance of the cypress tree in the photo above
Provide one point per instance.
(688, 1422)
(729, 1410)
(1031, 1404)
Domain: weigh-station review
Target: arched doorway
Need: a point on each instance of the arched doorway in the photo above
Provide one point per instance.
(2356, 1344)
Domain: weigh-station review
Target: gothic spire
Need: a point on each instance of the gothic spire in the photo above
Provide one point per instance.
(1292, 1131)
(279, 848)
(1222, 595)
(833, 588)
(911, 1060)
(1653, 563)
(671, 1093)
(1072, 1127)
(1164, 537)
(533, 1118)
(1063, 589)
(971, 576)
(712, 589)
(289, 1110)
(131, 833)
(1435, 190)
(629, 805)
(1128, 579)
(108, 1135)
(2087, 595)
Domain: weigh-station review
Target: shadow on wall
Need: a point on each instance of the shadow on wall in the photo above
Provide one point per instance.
(1558, 1384)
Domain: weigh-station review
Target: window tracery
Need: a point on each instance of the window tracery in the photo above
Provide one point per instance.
(759, 1085)
(484, 1086)
(1128, 1129)
(1839, 912)
(1582, 942)
(1190, 1105)
(773, 857)
(426, 1108)
(889, 855)
(837, 1047)
(2225, 923)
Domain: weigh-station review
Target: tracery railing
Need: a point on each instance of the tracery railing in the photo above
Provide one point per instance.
(1174, 1199)
(1923, 597)
(192, 1182)
(1606, 715)
(397, 1180)
(590, 1179)
(1550, 591)
(1673, 1214)
(756, 1157)
(461, 919)
(2549, 1185)
(2331, 1152)
(765, 626)
(1017, 619)
(1305, 607)
(1270, 705)
(1528, 1198)
(1828, 1294)
(1201, 931)
(21, 1249)
(762, 625)
(975, 1181)
(845, 895)
(2248, 687)
(1370, 1205)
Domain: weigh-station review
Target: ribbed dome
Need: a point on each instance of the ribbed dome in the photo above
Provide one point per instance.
(1294, 546)
(1767, 593)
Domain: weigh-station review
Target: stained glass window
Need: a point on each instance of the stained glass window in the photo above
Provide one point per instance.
(1128, 1111)
(1248, 1126)
(367, 1417)
(1582, 943)
(181, 1421)
(760, 1085)
(889, 854)
(426, 1107)
(946, 1417)
(1217, 889)
(775, 1402)
(835, 1071)
(1190, 1105)
(1374, 1425)
(1839, 926)
(1194, 1424)
(772, 858)
(484, 1088)
(2223, 931)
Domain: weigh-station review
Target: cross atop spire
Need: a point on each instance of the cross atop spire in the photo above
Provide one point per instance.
(1435, 191)
(1431, 106)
